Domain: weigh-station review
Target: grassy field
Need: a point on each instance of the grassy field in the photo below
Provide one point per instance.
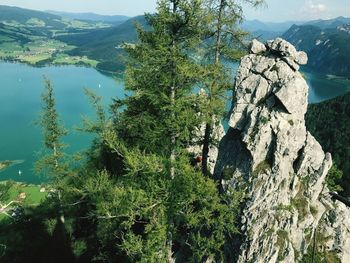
(64, 59)
(42, 50)
(33, 43)
(24, 194)
(32, 192)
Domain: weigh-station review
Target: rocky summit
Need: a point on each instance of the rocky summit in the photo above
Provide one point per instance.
(288, 213)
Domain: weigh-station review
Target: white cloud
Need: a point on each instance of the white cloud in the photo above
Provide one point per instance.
(313, 8)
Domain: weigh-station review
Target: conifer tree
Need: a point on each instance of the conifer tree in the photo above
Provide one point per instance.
(160, 114)
(225, 41)
(158, 207)
(52, 164)
(53, 132)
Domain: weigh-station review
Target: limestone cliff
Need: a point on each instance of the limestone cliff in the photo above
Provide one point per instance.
(268, 154)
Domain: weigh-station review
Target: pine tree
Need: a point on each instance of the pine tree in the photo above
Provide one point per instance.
(53, 164)
(53, 132)
(161, 113)
(225, 41)
(158, 207)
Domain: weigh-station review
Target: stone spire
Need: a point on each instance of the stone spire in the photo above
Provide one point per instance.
(268, 153)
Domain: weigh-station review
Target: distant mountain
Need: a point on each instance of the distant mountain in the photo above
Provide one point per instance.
(267, 30)
(330, 23)
(14, 34)
(91, 17)
(328, 48)
(103, 44)
(9, 14)
(42, 23)
(256, 25)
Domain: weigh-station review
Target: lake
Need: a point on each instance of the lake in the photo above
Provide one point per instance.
(20, 90)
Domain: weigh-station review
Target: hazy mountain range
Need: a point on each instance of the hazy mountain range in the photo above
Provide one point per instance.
(327, 47)
(115, 19)
(98, 36)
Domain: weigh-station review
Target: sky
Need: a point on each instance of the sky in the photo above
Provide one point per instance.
(299, 10)
(275, 11)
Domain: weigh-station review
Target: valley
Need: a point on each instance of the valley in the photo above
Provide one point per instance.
(59, 38)
(32, 37)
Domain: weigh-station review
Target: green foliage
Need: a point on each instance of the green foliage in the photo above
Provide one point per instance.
(264, 120)
(224, 40)
(282, 207)
(329, 122)
(301, 204)
(5, 190)
(261, 167)
(52, 163)
(313, 210)
(49, 118)
(282, 239)
(136, 197)
(161, 76)
(145, 209)
(317, 252)
(334, 176)
(27, 238)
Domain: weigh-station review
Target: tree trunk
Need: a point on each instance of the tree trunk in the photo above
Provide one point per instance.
(206, 145)
(55, 155)
(172, 99)
(173, 135)
(209, 125)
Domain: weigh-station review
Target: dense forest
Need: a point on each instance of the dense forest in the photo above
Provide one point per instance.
(329, 122)
(139, 194)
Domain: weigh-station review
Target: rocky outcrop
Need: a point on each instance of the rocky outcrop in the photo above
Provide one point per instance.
(268, 153)
(197, 146)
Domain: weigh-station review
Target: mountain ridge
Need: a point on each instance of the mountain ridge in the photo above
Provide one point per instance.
(328, 49)
(90, 16)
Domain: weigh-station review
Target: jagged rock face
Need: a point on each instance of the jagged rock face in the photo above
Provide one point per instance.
(268, 153)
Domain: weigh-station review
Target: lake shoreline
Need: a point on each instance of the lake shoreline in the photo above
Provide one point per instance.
(49, 62)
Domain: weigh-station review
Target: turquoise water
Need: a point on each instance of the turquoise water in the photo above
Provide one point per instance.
(322, 88)
(20, 90)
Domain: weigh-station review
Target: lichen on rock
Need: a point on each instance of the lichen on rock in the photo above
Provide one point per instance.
(268, 153)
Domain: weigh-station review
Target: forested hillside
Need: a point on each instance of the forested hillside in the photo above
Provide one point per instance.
(29, 36)
(327, 47)
(26, 16)
(115, 19)
(38, 38)
(329, 122)
(105, 45)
